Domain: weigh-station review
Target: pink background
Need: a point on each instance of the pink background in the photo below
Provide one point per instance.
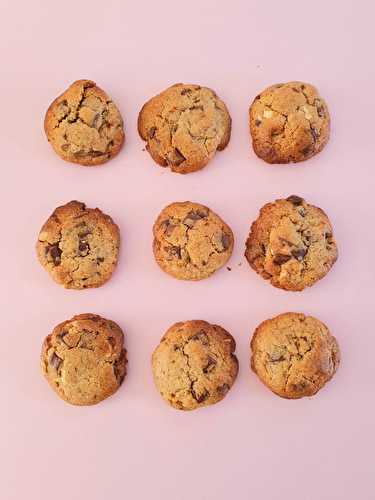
(253, 444)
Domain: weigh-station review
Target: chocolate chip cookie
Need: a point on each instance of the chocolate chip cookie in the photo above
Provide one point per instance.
(289, 122)
(194, 365)
(79, 246)
(190, 241)
(294, 355)
(84, 359)
(184, 126)
(291, 244)
(83, 125)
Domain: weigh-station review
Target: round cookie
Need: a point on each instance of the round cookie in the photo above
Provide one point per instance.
(294, 355)
(184, 126)
(83, 125)
(79, 246)
(194, 365)
(289, 122)
(291, 244)
(190, 241)
(84, 359)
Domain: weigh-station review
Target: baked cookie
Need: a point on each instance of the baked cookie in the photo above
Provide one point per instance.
(190, 241)
(83, 125)
(79, 246)
(194, 364)
(294, 355)
(291, 244)
(84, 359)
(289, 122)
(184, 126)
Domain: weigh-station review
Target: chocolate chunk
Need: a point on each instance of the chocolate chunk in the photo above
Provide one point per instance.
(257, 123)
(200, 337)
(192, 217)
(225, 240)
(276, 357)
(186, 91)
(55, 254)
(151, 132)
(176, 251)
(314, 134)
(299, 253)
(168, 227)
(211, 363)
(222, 389)
(320, 110)
(199, 398)
(328, 236)
(99, 260)
(83, 248)
(229, 268)
(296, 200)
(306, 150)
(176, 157)
(281, 259)
(55, 361)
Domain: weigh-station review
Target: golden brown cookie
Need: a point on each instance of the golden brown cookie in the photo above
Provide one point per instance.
(291, 244)
(194, 365)
(79, 246)
(294, 355)
(83, 125)
(184, 126)
(190, 241)
(84, 359)
(289, 122)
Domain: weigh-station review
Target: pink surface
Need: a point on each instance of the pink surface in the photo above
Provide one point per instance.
(253, 444)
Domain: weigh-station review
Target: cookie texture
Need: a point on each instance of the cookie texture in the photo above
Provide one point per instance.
(84, 359)
(184, 126)
(194, 365)
(79, 246)
(294, 355)
(190, 241)
(291, 244)
(83, 125)
(289, 122)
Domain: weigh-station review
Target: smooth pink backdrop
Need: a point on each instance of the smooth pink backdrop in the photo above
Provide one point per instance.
(133, 446)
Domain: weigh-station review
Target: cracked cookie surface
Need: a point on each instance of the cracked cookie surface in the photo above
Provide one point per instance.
(190, 241)
(83, 125)
(184, 126)
(79, 246)
(291, 244)
(84, 359)
(294, 355)
(194, 365)
(289, 122)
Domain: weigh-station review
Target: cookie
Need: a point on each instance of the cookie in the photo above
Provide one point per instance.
(79, 246)
(294, 355)
(190, 241)
(291, 244)
(83, 125)
(289, 122)
(184, 126)
(84, 359)
(194, 365)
